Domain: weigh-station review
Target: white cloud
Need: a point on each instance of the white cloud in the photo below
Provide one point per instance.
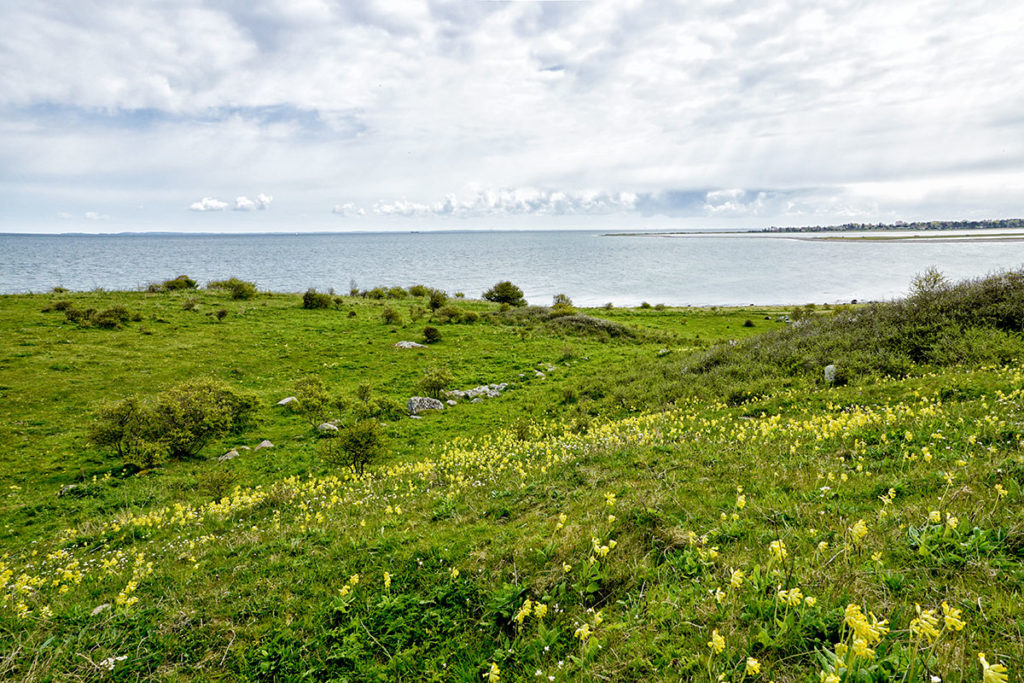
(208, 204)
(94, 216)
(348, 209)
(64, 216)
(403, 102)
(261, 203)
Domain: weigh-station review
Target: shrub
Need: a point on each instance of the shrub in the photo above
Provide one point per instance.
(356, 446)
(505, 293)
(239, 289)
(383, 408)
(112, 318)
(419, 290)
(178, 422)
(391, 316)
(61, 305)
(59, 290)
(437, 299)
(314, 299)
(313, 400)
(376, 293)
(396, 293)
(178, 283)
(190, 304)
(748, 323)
(364, 392)
(431, 335)
(435, 380)
(221, 314)
(454, 314)
(644, 304)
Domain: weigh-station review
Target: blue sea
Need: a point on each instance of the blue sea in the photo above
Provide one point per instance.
(593, 268)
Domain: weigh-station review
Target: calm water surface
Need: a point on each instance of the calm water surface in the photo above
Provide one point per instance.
(591, 268)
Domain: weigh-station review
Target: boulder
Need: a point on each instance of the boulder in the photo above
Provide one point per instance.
(230, 455)
(287, 401)
(326, 427)
(452, 402)
(830, 373)
(417, 404)
(70, 489)
(408, 345)
(477, 400)
(263, 444)
(100, 608)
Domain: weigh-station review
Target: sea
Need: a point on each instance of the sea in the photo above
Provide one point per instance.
(593, 268)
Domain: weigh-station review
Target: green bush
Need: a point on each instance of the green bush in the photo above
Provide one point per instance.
(221, 314)
(505, 293)
(179, 283)
(437, 299)
(239, 289)
(177, 423)
(435, 380)
(314, 401)
(420, 290)
(111, 318)
(314, 299)
(431, 335)
(397, 293)
(190, 304)
(356, 446)
(391, 316)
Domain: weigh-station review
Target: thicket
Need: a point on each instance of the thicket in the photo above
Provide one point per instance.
(505, 293)
(239, 289)
(109, 318)
(315, 299)
(940, 324)
(177, 423)
(179, 283)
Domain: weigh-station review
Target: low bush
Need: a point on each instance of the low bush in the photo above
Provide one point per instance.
(239, 289)
(431, 335)
(420, 290)
(454, 314)
(190, 304)
(391, 316)
(356, 446)
(435, 380)
(314, 299)
(505, 293)
(179, 283)
(110, 319)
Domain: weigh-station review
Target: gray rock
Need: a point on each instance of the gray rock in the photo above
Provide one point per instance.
(417, 404)
(830, 373)
(287, 401)
(477, 400)
(408, 345)
(540, 374)
(452, 402)
(242, 448)
(67, 490)
(327, 427)
(230, 455)
(100, 608)
(263, 444)
(415, 417)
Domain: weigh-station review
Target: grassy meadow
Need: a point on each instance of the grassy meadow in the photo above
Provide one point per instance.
(660, 493)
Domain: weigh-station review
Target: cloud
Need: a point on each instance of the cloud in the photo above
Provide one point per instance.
(348, 209)
(515, 201)
(261, 203)
(64, 216)
(94, 216)
(208, 204)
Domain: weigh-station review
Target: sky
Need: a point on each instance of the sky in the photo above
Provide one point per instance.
(309, 115)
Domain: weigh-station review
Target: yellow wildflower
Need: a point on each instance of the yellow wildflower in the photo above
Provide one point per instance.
(859, 530)
(737, 578)
(925, 624)
(717, 642)
(951, 617)
(493, 675)
(454, 573)
(934, 517)
(540, 610)
(753, 667)
(387, 581)
(991, 673)
(951, 521)
(583, 633)
(778, 549)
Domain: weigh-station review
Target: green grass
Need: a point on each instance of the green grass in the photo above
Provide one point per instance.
(617, 465)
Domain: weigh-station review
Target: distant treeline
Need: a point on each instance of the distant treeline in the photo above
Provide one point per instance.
(901, 225)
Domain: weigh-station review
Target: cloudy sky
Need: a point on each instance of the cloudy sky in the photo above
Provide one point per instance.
(304, 115)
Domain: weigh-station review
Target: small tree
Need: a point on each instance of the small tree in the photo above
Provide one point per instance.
(356, 446)
(505, 293)
(391, 316)
(435, 380)
(313, 400)
(188, 415)
(431, 334)
(315, 299)
(437, 299)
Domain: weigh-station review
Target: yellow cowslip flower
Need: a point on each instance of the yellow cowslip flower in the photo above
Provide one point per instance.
(753, 667)
(991, 673)
(566, 567)
(493, 675)
(861, 649)
(345, 590)
(925, 624)
(524, 611)
(717, 642)
(822, 546)
(741, 501)
(387, 581)
(1000, 490)
(540, 610)
(598, 618)
(354, 579)
(951, 521)
(777, 549)
(454, 573)
(609, 499)
(859, 530)
(934, 516)
(793, 597)
(951, 617)
(718, 595)
(583, 633)
(737, 578)
(828, 676)
(561, 521)
(611, 519)
(810, 601)
(841, 650)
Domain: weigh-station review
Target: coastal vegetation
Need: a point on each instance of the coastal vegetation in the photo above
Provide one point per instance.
(660, 493)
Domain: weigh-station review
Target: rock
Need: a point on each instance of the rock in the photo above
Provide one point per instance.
(452, 402)
(263, 444)
(538, 373)
(663, 352)
(830, 373)
(100, 608)
(415, 417)
(70, 489)
(327, 427)
(287, 401)
(408, 345)
(230, 455)
(477, 400)
(417, 404)
(242, 448)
